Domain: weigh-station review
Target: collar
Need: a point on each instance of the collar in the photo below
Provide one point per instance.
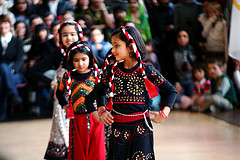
(8, 37)
(202, 81)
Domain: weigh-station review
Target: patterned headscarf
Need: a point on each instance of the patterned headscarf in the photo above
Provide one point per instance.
(148, 84)
(79, 30)
(76, 45)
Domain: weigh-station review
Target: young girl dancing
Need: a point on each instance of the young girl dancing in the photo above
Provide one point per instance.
(68, 33)
(132, 84)
(87, 141)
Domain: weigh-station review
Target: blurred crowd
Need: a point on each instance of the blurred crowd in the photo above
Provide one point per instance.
(181, 37)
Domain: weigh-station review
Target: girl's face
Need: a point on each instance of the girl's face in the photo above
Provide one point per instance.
(119, 49)
(133, 4)
(42, 35)
(214, 70)
(20, 29)
(21, 5)
(81, 62)
(4, 27)
(182, 38)
(55, 31)
(199, 74)
(69, 35)
(213, 12)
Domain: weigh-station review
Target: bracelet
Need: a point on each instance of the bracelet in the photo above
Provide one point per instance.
(101, 112)
(163, 115)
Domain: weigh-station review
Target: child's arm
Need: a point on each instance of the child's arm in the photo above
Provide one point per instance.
(105, 116)
(159, 117)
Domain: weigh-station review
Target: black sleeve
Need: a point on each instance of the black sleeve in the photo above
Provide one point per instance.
(89, 101)
(61, 97)
(167, 90)
(37, 71)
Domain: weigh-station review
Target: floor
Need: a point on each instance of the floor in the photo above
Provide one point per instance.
(185, 136)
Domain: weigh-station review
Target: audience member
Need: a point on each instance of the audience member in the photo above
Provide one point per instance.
(187, 13)
(137, 14)
(223, 95)
(21, 11)
(5, 7)
(215, 32)
(11, 71)
(57, 7)
(151, 56)
(101, 17)
(183, 59)
(68, 16)
(202, 84)
(82, 5)
(86, 25)
(120, 12)
(100, 47)
(48, 19)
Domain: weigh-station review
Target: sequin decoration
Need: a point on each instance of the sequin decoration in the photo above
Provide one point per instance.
(126, 135)
(116, 133)
(140, 130)
(129, 87)
(139, 155)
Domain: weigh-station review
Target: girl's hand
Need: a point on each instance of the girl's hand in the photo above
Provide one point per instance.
(95, 115)
(106, 118)
(157, 117)
(65, 107)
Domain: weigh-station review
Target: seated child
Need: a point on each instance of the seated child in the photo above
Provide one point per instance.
(201, 84)
(223, 95)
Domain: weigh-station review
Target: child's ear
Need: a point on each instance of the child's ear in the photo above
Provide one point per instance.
(131, 47)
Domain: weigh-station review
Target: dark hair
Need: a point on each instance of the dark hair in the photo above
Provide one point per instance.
(55, 23)
(97, 29)
(62, 26)
(181, 28)
(26, 36)
(121, 7)
(135, 35)
(215, 61)
(32, 17)
(68, 64)
(16, 12)
(151, 42)
(5, 18)
(199, 66)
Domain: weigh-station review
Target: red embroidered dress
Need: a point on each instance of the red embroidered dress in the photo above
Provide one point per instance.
(86, 135)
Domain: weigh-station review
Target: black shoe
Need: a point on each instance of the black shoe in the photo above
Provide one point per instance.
(16, 100)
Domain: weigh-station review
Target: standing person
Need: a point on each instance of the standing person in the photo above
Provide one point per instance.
(69, 32)
(184, 57)
(87, 141)
(131, 83)
(215, 32)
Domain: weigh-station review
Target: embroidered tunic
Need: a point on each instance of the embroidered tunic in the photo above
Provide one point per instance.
(131, 137)
(84, 128)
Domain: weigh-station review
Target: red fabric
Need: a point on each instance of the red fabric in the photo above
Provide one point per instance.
(151, 88)
(109, 105)
(124, 119)
(70, 113)
(87, 146)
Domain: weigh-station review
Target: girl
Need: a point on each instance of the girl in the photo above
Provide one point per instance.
(68, 32)
(201, 83)
(215, 32)
(128, 79)
(87, 141)
(184, 57)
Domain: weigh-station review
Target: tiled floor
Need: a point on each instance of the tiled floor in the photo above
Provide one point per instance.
(185, 136)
